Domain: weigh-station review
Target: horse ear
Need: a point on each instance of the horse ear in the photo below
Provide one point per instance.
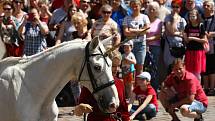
(107, 40)
(94, 43)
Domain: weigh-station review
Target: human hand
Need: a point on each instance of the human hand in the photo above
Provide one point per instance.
(82, 108)
(132, 117)
(37, 18)
(45, 8)
(209, 35)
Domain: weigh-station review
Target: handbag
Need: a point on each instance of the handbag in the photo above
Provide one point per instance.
(177, 52)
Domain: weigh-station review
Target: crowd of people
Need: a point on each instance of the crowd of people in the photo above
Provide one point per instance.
(177, 37)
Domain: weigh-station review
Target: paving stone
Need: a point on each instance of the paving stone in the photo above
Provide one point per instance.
(161, 116)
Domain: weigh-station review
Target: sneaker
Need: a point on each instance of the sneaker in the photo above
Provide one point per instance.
(199, 119)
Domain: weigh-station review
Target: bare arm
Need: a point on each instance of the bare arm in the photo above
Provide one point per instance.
(142, 106)
(21, 28)
(131, 101)
(60, 34)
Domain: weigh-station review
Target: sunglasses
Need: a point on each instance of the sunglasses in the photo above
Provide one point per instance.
(18, 2)
(106, 12)
(175, 6)
(6, 9)
(85, 2)
(205, 5)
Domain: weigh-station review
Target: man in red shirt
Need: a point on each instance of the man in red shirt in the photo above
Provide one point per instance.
(182, 90)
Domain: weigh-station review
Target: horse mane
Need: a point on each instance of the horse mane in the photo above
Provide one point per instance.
(9, 61)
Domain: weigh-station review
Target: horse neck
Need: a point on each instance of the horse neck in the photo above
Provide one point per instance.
(50, 73)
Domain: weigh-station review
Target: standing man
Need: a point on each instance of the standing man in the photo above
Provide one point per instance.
(183, 91)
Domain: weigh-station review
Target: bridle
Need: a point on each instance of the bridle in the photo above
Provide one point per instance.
(93, 80)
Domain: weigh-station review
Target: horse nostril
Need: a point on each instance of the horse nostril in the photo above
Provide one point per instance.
(112, 105)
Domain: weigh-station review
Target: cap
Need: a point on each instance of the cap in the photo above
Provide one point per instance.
(145, 75)
(129, 43)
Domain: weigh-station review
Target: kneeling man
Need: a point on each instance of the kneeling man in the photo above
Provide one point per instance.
(182, 90)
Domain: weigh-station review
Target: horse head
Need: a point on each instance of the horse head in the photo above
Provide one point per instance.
(98, 67)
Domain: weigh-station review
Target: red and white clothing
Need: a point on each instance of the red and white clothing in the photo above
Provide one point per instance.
(141, 95)
(195, 59)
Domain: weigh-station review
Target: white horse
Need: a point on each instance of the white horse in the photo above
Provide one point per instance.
(28, 86)
(2, 49)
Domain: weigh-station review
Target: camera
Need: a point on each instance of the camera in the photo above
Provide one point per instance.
(30, 16)
(7, 20)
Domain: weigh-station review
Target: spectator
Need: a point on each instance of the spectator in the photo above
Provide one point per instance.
(105, 27)
(119, 12)
(174, 27)
(145, 4)
(163, 11)
(195, 37)
(59, 3)
(85, 7)
(128, 62)
(146, 97)
(80, 23)
(133, 27)
(34, 33)
(67, 27)
(87, 98)
(153, 38)
(1, 7)
(8, 33)
(189, 5)
(58, 16)
(182, 90)
(104, 2)
(45, 14)
(94, 13)
(209, 20)
(18, 12)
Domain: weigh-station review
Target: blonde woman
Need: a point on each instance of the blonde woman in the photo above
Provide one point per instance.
(80, 23)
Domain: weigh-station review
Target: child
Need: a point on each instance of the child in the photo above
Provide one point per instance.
(128, 61)
(146, 97)
(195, 37)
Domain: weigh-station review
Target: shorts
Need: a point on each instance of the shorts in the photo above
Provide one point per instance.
(139, 50)
(128, 78)
(196, 106)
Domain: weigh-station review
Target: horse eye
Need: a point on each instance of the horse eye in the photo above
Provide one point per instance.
(97, 68)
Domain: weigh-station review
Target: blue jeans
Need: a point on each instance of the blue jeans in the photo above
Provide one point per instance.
(197, 106)
(139, 50)
(149, 110)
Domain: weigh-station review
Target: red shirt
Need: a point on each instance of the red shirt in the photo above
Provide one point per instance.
(59, 3)
(188, 85)
(97, 115)
(142, 94)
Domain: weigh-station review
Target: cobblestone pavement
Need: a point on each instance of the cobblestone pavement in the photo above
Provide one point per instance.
(161, 116)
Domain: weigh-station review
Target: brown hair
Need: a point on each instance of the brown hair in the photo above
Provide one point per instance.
(197, 13)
